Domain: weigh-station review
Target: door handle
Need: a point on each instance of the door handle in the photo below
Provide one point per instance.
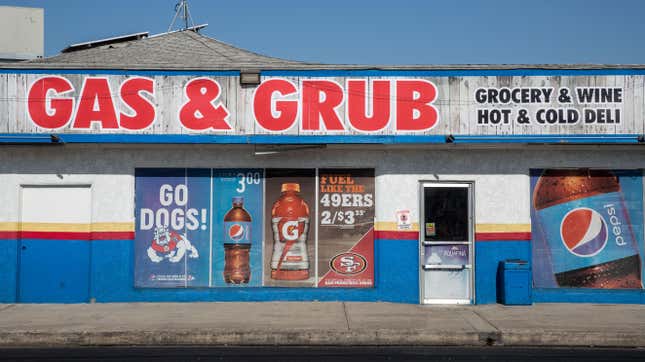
(430, 243)
(24, 247)
(444, 267)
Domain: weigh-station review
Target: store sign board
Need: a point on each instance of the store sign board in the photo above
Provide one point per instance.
(356, 105)
(253, 227)
(53, 104)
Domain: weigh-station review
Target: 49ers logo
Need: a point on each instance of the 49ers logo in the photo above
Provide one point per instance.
(348, 263)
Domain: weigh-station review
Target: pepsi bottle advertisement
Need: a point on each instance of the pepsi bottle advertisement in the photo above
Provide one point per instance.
(237, 227)
(587, 228)
(172, 242)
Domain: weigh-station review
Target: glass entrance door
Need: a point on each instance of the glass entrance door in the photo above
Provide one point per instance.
(446, 243)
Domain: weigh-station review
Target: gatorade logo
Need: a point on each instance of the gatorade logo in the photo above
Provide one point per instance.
(290, 230)
(584, 232)
(236, 232)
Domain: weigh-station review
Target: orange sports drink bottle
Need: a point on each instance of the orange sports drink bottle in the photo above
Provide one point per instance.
(290, 225)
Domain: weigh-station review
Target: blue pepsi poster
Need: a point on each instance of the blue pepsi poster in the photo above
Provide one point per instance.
(172, 230)
(587, 228)
(237, 227)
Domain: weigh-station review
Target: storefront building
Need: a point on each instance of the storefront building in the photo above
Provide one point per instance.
(179, 168)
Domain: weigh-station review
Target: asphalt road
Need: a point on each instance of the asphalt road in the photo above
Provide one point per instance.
(335, 354)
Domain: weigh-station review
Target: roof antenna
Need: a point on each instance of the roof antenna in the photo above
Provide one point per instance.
(182, 8)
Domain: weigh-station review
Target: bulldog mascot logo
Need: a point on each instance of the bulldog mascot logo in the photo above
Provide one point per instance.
(170, 245)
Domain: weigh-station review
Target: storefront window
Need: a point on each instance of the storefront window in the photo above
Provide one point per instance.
(446, 214)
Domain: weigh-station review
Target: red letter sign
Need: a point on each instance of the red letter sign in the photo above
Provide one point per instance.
(144, 111)
(357, 105)
(96, 91)
(62, 107)
(314, 109)
(413, 109)
(199, 113)
(263, 107)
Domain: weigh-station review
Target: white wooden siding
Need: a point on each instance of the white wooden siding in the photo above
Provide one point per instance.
(456, 104)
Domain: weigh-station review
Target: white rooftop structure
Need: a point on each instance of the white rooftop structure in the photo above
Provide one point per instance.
(22, 33)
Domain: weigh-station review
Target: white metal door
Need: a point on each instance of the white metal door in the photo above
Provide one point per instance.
(446, 243)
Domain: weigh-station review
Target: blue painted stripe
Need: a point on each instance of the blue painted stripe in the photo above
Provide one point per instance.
(396, 276)
(345, 72)
(17, 138)
(582, 295)
(452, 72)
(591, 138)
(29, 139)
(220, 139)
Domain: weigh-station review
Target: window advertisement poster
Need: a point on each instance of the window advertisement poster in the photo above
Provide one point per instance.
(246, 227)
(172, 242)
(346, 228)
(237, 227)
(289, 230)
(587, 228)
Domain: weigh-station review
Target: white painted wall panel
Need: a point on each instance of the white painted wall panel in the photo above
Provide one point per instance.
(501, 176)
(56, 204)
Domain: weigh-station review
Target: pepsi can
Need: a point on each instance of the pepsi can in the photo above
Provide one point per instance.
(582, 216)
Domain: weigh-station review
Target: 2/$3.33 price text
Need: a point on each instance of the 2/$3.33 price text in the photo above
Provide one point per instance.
(340, 217)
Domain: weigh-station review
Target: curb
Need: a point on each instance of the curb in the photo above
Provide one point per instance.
(299, 337)
(574, 338)
(381, 337)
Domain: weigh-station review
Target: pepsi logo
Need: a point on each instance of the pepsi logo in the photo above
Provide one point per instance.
(348, 263)
(583, 232)
(236, 232)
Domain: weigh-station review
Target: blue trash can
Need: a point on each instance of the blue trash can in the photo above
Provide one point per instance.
(516, 283)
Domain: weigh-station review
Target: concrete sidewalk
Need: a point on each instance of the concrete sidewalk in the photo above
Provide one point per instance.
(317, 323)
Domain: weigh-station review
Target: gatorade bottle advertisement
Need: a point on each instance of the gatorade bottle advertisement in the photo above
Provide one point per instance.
(587, 228)
(290, 244)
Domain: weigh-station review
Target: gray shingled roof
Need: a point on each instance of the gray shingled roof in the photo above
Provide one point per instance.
(175, 50)
(188, 50)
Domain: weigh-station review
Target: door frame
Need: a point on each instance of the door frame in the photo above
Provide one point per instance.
(470, 185)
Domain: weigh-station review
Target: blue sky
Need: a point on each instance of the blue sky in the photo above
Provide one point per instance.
(376, 31)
